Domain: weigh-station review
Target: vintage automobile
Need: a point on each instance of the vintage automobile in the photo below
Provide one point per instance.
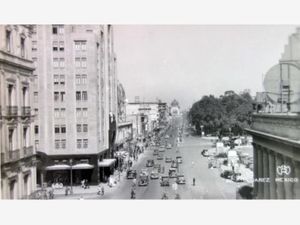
(168, 146)
(154, 174)
(172, 173)
(174, 164)
(143, 180)
(204, 153)
(155, 152)
(131, 174)
(227, 174)
(180, 179)
(179, 159)
(160, 157)
(144, 172)
(164, 181)
(150, 163)
(168, 159)
(237, 177)
(167, 137)
(161, 149)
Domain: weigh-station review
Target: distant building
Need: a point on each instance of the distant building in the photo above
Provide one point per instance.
(174, 108)
(18, 159)
(229, 93)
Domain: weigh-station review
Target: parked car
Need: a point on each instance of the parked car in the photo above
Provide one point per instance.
(179, 159)
(150, 163)
(204, 153)
(144, 172)
(180, 179)
(131, 174)
(143, 180)
(174, 164)
(237, 177)
(227, 174)
(161, 149)
(154, 174)
(155, 152)
(168, 159)
(167, 137)
(164, 181)
(172, 173)
(168, 146)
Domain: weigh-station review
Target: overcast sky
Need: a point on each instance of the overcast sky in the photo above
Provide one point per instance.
(186, 62)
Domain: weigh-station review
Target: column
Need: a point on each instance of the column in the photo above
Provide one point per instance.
(288, 184)
(266, 175)
(296, 187)
(260, 194)
(272, 175)
(280, 187)
(255, 168)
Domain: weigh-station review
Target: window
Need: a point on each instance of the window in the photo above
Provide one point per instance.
(35, 97)
(83, 79)
(22, 47)
(56, 96)
(8, 40)
(63, 129)
(78, 112)
(34, 59)
(78, 128)
(36, 111)
(57, 143)
(85, 143)
(78, 79)
(78, 96)
(56, 79)
(55, 46)
(61, 62)
(63, 143)
(36, 129)
(56, 113)
(85, 128)
(56, 129)
(83, 62)
(61, 46)
(62, 79)
(77, 45)
(80, 45)
(34, 45)
(61, 29)
(79, 143)
(77, 62)
(83, 45)
(54, 29)
(55, 62)
(62, 112)
(84, 96)
(84, 112)
(62, 96)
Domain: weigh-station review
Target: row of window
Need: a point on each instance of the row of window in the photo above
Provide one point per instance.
(58, 62)
(81, 79)
(81, 96)
(58, 29)
(8, 40)
(80, 62)
(82, 128)
(59, 96)
(82, 143)
(61, 144)
(59, 113)
(60, 129)
(82, 112)
(60, 46)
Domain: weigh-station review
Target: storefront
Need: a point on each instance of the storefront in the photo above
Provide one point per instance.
(106, 168)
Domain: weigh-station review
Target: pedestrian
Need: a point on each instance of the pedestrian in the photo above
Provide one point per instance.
(194, 181)
(132, 193)
(82, 183)
(102, 190)
(99, 190)
(66, 191)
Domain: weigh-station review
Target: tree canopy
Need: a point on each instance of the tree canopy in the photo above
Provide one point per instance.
(220, 115)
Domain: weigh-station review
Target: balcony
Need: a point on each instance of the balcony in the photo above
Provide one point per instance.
(12, 111)
(27, 151)
(10, 156)
(26, 111)
(286, 126)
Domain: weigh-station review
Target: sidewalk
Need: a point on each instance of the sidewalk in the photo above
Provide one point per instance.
(91, 193)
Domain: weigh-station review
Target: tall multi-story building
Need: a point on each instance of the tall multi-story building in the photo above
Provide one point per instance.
(18, 163)
(74, 94)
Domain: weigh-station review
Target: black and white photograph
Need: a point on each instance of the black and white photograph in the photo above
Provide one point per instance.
(149, 118)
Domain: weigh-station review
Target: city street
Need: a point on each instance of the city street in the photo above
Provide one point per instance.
(209, 184)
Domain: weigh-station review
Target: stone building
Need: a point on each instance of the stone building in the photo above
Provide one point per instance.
(75, 102)
(276, 141)
(18, 159)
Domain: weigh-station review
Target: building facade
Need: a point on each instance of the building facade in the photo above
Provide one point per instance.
(75, 93)
(18, 159)
(276, 138)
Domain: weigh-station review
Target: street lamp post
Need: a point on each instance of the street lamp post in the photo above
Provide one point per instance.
(71, 176)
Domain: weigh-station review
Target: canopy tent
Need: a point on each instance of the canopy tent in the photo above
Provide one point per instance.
(58, 167)
(82, 166)
(106, 162)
